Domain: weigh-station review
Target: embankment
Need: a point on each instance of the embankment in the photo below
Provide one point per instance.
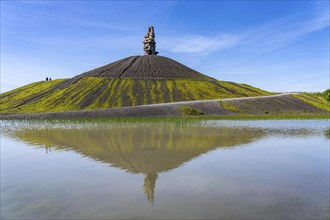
(280, 104)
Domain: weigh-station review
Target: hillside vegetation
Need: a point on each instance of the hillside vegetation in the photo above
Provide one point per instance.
(320, 99)
(102, 92)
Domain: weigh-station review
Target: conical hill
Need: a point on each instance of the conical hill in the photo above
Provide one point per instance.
(135, 80)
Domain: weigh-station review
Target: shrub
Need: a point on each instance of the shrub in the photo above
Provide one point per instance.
(188, 111)
(326, 95)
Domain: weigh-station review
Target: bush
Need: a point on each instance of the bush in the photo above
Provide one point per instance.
(188, 111)
(326, 95)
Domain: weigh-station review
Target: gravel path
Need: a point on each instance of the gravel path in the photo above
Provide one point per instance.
(226, 99)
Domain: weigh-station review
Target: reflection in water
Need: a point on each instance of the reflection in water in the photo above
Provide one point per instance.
(149, 185)
(249, 169)
(327, 133)
(148, 149)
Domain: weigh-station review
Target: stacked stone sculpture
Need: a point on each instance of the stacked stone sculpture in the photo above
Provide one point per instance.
(149, 42)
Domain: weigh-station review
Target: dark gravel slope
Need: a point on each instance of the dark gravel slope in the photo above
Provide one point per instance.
(146, 67)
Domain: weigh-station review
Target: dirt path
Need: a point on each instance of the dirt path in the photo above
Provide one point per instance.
(226, 99)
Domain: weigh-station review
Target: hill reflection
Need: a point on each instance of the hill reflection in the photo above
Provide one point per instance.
(147, 149)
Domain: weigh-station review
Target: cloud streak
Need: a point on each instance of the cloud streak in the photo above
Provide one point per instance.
(197, 44)
(262, 38)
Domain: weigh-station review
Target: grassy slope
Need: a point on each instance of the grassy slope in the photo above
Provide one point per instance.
(315, 99)
(97, 92)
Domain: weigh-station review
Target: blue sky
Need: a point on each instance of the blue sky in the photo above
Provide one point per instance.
(274, 45)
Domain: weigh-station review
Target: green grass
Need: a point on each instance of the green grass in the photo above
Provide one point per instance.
(244, 89)
(16, 97)
(175, 121)
(325, 95)
(97, 93)
(189, 111)
(270, 117)
(318, 100)
(230, 107)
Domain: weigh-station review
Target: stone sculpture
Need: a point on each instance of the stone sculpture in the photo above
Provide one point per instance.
(149, 42)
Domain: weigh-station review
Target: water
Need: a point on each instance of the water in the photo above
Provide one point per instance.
(206, 169)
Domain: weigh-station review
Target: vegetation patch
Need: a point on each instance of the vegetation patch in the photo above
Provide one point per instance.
(189, 111)
(230, 107)
(243, 89)
(326, 95)
(319, 100)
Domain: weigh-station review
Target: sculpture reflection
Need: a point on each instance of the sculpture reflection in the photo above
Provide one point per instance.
(146, 149)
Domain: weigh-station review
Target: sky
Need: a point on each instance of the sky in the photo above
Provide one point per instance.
(279, 46)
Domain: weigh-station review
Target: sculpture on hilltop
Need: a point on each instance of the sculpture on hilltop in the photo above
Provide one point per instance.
(149, 42)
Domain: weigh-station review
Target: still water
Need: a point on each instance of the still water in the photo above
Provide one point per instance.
(196, 170)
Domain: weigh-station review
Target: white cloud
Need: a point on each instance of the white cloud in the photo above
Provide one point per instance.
(198, 44)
